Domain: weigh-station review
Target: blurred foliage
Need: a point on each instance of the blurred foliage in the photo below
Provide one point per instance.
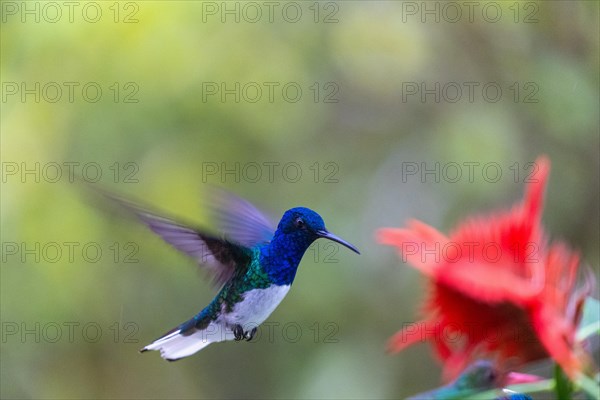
(370, 133)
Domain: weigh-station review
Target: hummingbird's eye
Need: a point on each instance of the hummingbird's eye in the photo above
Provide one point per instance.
(299, 223)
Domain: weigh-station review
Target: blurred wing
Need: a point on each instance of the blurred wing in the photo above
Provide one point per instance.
(239, 220)
(219, 257)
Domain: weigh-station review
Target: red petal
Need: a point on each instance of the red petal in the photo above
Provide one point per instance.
(490, 285)
(534, 196)
(413, 241)
(421, 331)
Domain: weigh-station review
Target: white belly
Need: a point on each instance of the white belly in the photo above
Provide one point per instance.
(256, 306)
(252, 311)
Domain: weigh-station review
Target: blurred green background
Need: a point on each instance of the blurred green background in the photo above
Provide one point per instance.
(72, 323)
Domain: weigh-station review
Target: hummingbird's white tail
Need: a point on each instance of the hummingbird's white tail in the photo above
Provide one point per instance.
(175, 345)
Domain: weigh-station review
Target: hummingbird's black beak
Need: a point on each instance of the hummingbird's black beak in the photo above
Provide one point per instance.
(331, 236)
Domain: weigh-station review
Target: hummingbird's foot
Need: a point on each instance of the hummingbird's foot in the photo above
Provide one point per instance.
(238, 333)
(248, 335)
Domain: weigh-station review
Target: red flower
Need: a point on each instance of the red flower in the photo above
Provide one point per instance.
(497, 287)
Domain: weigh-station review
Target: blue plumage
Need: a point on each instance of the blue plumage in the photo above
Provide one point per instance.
(280, 258)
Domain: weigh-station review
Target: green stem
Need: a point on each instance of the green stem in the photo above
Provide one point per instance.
(588, 385)
(587, 330)
(546, 385)
(564, 387)
(584, 382)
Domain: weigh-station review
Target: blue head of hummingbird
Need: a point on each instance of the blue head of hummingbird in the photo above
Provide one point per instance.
(253, 264)
(297, 230)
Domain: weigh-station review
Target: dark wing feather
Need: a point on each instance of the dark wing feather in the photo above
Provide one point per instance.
(238, 219)
(220, 257)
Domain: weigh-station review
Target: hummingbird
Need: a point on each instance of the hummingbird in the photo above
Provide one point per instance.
(253, 264)
(480, 376)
